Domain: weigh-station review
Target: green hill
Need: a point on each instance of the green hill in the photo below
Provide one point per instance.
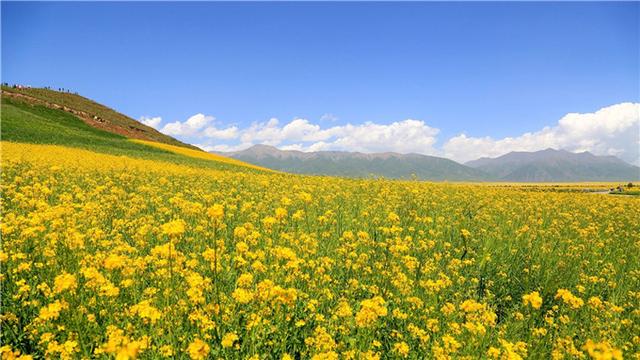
(90, 112)
(26, 121)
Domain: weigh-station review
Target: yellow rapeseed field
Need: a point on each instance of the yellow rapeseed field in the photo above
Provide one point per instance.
(107, 256)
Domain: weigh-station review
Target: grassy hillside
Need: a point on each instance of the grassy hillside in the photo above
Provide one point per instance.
(29, 123)
(92, 113)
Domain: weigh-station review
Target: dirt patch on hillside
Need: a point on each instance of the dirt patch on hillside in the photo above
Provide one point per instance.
(90, 119)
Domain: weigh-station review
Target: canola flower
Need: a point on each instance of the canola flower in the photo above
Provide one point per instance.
(112, 257)
(229, 339)
(532, 299)
(198, 349)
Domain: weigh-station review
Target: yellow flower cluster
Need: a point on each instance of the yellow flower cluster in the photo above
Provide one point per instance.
(370, 311)
(532, 299)
(568, 298)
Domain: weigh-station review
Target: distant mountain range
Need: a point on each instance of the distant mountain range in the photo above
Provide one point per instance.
(540, 166)
(556, 165)
(354, 164)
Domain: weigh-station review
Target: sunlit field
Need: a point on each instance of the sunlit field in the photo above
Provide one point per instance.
(109, 256)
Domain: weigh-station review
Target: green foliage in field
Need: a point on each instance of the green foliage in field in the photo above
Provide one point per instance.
(629, 193)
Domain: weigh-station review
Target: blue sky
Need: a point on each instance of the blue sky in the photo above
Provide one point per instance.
(449, 79)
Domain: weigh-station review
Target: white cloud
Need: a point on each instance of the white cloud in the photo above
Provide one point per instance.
(262, 133)
(613, 130)
(223, 147)
(296, 147)
(151, 121)
(404, 136)
(191, 127)
(317, 146)
(223, 134)
(300, 134)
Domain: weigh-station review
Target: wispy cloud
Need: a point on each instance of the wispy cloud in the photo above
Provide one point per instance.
(328, 118)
